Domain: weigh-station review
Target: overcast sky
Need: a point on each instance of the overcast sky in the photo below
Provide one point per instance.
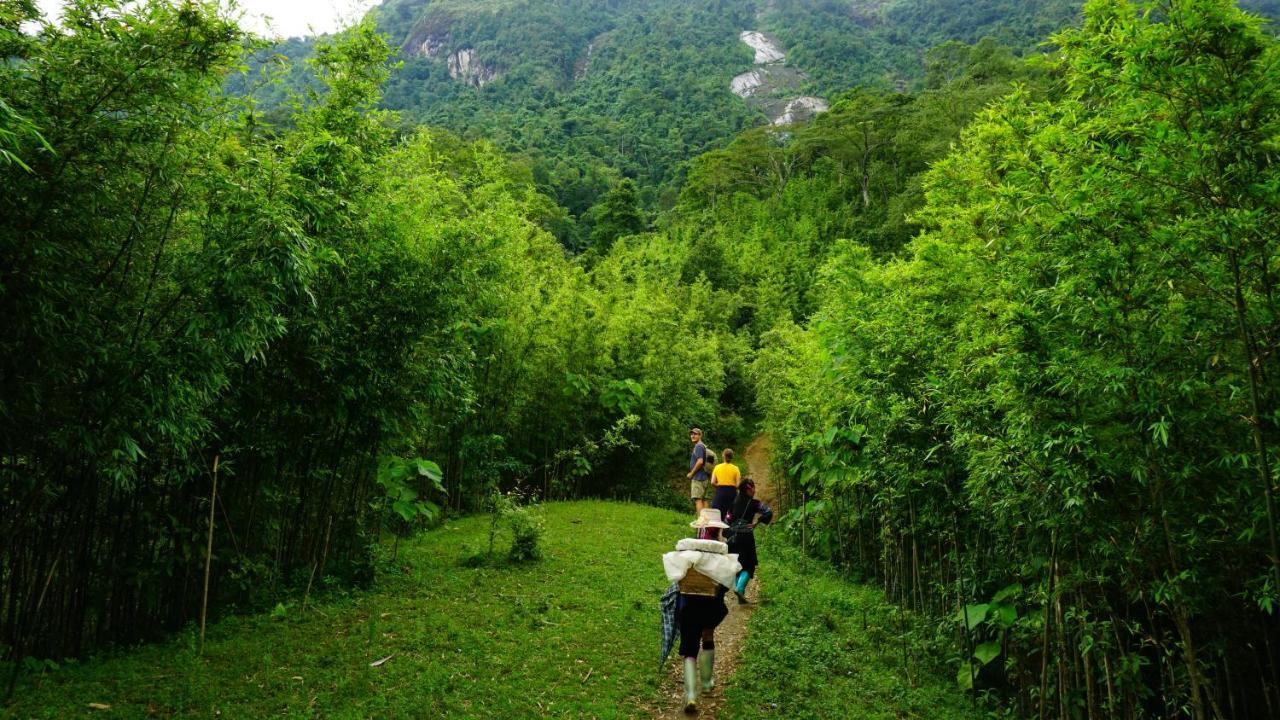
(287, 17)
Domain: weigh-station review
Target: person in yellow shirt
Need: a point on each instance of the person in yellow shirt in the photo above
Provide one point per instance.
(725, 478)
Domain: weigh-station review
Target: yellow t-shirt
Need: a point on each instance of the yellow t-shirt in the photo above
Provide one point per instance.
(726, 474)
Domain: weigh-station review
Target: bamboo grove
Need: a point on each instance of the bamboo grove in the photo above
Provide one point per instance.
(1014, 335)
(192, 295)
(1050, 420)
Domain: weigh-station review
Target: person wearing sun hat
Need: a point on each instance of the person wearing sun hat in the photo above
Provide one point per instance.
(704, 570)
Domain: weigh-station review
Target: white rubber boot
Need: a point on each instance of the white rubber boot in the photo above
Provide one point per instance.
(706, 664)
(690, 685)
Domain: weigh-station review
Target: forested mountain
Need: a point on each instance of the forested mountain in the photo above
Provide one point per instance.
(591, 91)
(601, 88)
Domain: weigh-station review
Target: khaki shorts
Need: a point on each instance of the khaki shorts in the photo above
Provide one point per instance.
(698, 489)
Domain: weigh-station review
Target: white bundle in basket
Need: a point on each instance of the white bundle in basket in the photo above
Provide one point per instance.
(709, 557)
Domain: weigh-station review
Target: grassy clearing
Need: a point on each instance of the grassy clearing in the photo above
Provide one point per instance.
(573, 635)
(808, 655)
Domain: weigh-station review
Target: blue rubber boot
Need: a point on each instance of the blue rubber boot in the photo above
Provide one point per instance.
(740, 587)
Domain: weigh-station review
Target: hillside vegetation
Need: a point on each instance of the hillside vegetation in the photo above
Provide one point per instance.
(591, 91)
(821, 646)
(324, 320)
(573, 635)
(1031, 388)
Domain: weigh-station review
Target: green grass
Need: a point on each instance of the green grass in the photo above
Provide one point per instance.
(808, 655)
(573, 635)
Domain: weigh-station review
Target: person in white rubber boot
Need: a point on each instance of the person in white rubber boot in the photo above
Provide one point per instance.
(704, 571)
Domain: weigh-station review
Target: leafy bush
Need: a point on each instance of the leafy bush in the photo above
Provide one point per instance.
(526, 534)
(512, 511)
(1049, 419)
(189, 284)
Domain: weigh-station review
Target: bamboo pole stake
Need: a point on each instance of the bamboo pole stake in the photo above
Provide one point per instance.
(208, 553)
(1048, 619)
(319, 564)
(804, 522)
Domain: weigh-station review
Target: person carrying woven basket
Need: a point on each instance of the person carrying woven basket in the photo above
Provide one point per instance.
(704, 571)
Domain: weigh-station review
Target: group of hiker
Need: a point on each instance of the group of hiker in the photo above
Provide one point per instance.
(704, 568)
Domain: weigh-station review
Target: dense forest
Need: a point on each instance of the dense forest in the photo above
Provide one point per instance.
(297, 313)
(1006, 310)
(588, 92)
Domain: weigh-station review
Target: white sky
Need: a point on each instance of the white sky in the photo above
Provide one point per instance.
(288, 18)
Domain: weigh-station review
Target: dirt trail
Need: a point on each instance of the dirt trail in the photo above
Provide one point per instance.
(757, 456)
(733, 630)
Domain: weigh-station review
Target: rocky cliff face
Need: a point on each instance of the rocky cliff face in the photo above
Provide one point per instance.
(746, 84)
(772, 85)
(767, 50)
(433, 40)
(466, 68)
(801, 109)
(582, 65)
(430, 38)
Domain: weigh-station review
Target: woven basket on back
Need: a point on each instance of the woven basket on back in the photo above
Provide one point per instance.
(695, 583)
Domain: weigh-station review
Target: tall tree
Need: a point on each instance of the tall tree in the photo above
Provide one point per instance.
(617, 215)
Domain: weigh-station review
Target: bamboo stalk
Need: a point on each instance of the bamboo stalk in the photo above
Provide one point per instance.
(804, 522)
(1111, 695)
(1252, 361)
(208, 554)
(1048, 615)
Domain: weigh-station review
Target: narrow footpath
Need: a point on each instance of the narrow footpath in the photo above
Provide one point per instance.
(733, 630)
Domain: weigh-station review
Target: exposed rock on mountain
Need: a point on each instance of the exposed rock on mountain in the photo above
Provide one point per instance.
(767, 50)
(432, 46)
(746, 84)
(771, 84)
(466, 68)
(434, 40)
(801, 109)
(583, 64)
(430, 39)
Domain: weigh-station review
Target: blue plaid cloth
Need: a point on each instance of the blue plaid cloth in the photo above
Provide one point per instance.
(669, 625)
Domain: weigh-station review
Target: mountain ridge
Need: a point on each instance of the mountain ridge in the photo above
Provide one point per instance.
(591, 91)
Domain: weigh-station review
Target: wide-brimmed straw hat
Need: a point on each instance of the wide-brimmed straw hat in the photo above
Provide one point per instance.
(709, 517)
